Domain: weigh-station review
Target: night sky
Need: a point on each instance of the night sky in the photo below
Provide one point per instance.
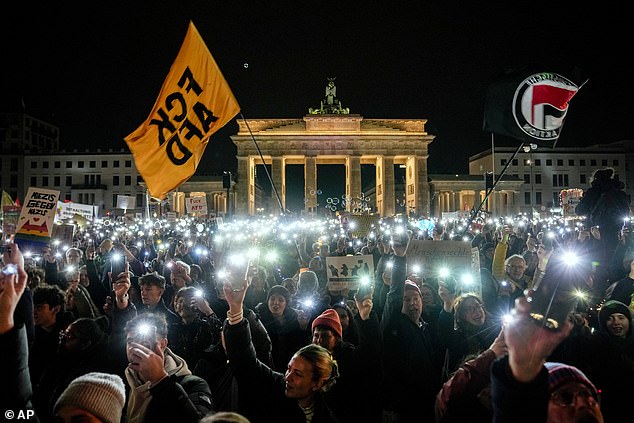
(96, 72)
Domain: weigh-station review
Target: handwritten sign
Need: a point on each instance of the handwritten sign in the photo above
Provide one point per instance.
(35, 224)
(196, 204)
(347, 271)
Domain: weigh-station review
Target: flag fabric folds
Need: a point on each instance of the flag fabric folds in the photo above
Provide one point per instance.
(529, 105)
(6, 199)
(195, 101)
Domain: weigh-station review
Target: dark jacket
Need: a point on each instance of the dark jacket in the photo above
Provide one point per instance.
(360, 375)
(97, 288)
(464, 342)
(411, 364)
(517, 402)
(65, 368)
(45, 346)
(215, 369)
(465, 397)
(15, 384)
(621, 290)
(193, 341)
(266, 385)
(286, 338)
(611, 366)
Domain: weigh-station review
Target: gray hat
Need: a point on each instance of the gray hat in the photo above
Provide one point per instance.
(101, 394)
(279, 290)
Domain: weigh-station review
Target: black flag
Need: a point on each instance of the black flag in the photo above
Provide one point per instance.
(528, 105)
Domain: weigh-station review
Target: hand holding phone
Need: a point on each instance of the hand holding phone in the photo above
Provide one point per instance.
(118, 265)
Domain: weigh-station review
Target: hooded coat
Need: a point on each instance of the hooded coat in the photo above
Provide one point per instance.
(180, 396)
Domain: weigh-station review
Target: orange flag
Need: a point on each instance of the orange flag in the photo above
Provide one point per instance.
(195, 101)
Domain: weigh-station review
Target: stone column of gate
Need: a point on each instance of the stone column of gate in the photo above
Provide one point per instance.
(244, 180)
(278, 174)
(353, 182)
(389, 206)
(310, 184)
(416, 176)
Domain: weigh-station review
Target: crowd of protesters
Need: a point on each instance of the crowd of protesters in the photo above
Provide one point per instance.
(159, 307)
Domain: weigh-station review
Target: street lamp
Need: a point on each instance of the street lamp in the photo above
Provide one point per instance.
(529, 149)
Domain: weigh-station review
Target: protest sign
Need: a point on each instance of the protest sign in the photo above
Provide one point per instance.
(347, 271)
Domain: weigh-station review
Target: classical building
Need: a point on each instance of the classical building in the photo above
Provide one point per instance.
(331, 135)
(545, 172)
(210, 187)
(462, 193)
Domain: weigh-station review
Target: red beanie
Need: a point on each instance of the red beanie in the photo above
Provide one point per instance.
(330, 319)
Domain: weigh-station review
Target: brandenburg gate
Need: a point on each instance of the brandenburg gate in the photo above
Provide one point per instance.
(331, 135)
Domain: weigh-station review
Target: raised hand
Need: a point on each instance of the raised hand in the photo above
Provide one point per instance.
(147, 363)
(13, 280)
(529, 344)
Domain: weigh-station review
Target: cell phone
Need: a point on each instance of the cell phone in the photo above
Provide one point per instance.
(554, 298)
(145, 335)
(117, 266)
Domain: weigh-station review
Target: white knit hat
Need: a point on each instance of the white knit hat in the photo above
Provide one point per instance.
(101, 394)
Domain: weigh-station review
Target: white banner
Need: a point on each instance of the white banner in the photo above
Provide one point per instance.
(126, 202)
(196, 204)
(70, 209)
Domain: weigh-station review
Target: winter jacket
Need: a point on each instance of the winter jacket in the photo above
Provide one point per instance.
(517, 402)
(465, 397)
(15, 384)
(411, 362)
(266, 385)
(180, 397)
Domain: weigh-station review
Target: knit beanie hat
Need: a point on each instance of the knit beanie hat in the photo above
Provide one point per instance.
(330, 319)
(101, 394)
(307, 281)
(412, 285)
(560, 374)
(611, 307)
(279, 290)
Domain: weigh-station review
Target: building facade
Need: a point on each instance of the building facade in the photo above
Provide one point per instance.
(546, 172)
(94, 178)
(20, 134)
(397, 148)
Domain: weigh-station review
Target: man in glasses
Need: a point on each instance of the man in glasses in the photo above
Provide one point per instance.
(526, 388)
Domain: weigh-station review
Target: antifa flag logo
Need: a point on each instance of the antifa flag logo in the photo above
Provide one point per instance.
(540, 104)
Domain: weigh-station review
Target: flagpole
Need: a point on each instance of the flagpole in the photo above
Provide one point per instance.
(279, 200)
(492, 157)
(495, 182)
(147, 203)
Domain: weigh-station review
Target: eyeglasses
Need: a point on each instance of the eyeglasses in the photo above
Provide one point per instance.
(567, 397)
(65, 336)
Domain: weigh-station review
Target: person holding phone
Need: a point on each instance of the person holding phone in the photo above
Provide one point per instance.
(557, 392)
(123, 309)
(298, 393)
(162, 387)
(15, 385)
